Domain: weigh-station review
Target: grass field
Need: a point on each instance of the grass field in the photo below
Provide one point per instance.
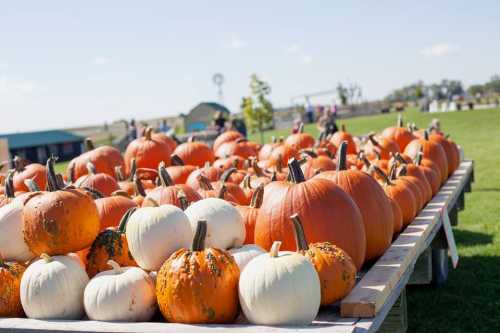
(470, 301)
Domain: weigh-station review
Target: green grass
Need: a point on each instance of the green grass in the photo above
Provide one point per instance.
(470, 300)
(61, 167)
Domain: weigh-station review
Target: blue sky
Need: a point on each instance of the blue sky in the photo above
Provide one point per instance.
(77, 63)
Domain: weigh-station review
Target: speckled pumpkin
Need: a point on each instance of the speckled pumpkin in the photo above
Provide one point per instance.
(10, 279)
(198, 285)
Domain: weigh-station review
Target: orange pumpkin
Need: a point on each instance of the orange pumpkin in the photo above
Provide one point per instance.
(371, 200)
(33, 171)
(101, 182)
(110, 244)
(232, 188)
(227, 136)
(451, 151)
(397, 217)
(336, 269)
(315, 164)
(432, 176)
(10, 281)
(341, 136)
(301, 140)
(195, 153)
(412, 183)
(240, 147)
(171, 143)
(400, 134)
(179, 172)
(148, 151)
(198, 285)
(413, 170)
(250, 212)
(267, 149)
(237, 162)
(381, 148)
(111, 209)
(61, 220)
(280, 156)
(210, 172)
(328, 214)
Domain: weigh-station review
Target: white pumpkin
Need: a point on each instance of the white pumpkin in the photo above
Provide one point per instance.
(12, 244)
(154, 233)
(226, 228)
(280, 288)
(120, 294)
(243, 255)
(52, 288)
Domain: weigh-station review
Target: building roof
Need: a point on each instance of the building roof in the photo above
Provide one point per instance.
(40, 138)
(214, 105)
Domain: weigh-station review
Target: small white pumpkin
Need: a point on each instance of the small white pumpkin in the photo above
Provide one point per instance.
(226, 228)
(12, 244)
(280, 288)
(120, 294)
(52, 288)
(154, 233)
(243, 255)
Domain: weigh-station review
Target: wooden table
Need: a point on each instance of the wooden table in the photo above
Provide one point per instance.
(377, 302)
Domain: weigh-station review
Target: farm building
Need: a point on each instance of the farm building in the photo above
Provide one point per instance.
(38, 146)
(201, 116)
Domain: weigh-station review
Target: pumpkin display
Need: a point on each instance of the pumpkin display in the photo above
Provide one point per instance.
(431, 174)
(327, 212)
(452, 154)
(315, 164)
(195, 153)
(52, 288)
(171, 143)
(208, 191)
(301, 140)
(372, 202)
(104, 158)
(341, 136)
(431, 150)
(413, 170)
(324, 147)
(227, 136)
(154, 233)
(112, 208)
(120, 294)
(148, 152)
(178, 171)
(10, 281)
(226, 228)
(249, 213)
(22, 172)
(233, 190)
(110, 244)
(280, 155)
(198, 285)
(243, 254)
(212, 173)
(240, 147)
(167, 192)
(267, 149)
(280, 288)
(101, 182)
(336, 270)
(382, 147)
(399, 133)
(59, 221)
(234, 161)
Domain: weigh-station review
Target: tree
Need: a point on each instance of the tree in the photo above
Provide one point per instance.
(257, 109)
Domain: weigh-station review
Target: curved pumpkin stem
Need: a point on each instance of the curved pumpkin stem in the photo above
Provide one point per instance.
(119, 174)
(133, 168)
(91, 168)
(301, 128)
(46, 257)
(274, 176)
(342, 156)
(89, 144)
(363, 158)
(226, 174)
(400, 121)
(18, 164)
(204, 183)
(52, 183)
(9, 185)
(122, 226)
(382, 174)
(116, 267)
(296, 173)
(95, 194)
(176, 160)
(275, 249)
(400, 158)
(139, 189)
(121, 193)
(309, 153)
(60, 181)
(257, 169)
(372, 139)
(418, 158)
(222, 192)
(402, 170)
(392, 172)
(246, 183)
(199, 236)
(153, 202)
(30, 184)
(300, 236)
(183, 200)
(426, 135)
(164, 177)
(257, 197)
(148, 133)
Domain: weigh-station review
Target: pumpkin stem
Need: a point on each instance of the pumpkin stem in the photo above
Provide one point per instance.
(60, 181)
(9, 184)
(52, 183)
(382, 174)
(71, 173)
(274, 176)
(18, 164)
(279, 163)
(257, 169)
(183, 201)
(121, 193)
(402, 170)
(400, 158)
(301, 128)
(199, 236)
(226, 174)
(148, 132)
(321, 136)
(342, 156)
(235, 162)
(246, 183)
(119, 174)
(91, 168)
(392, 172)
(122, 226)
(273, 139)
(363, 158)
(116, 267)
(133, 168)
(342, 128)
(400, 121)
(176, 160)
(309, 153)
(165, 178)
(281, 140)
(426, 135)
(191, 139)
(295, 171)
(222, 192)
(139, 189)
(89, 144)
(46, 257)
(95, 194)
(153, 202)
(30, 184)
(204, 183)
(300, 236)
(257, 197)
(418, 158)
(372, 139)
(275, 249)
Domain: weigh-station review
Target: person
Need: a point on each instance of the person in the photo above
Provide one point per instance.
(164, 128)
(219, 121)
(327, 122)
(309, 111)
(296, 125)
(132, 130)
(239, 125)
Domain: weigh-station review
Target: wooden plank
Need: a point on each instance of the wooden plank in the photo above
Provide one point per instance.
(397, 319)
(422, 272)
(370, 294)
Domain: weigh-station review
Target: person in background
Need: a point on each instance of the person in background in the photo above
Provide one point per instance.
(164, 128)
(219, 121)
(132, 130)
(239, 125)
(309, 111)
(327, 122)
(296, 125)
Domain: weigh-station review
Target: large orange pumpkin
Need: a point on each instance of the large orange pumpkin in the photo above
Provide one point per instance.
(101, 182)
(452, 155)
(371, 200)
(232, 188)
(341, 136)
(336, 269)
(10, 281)
(167, 139)
(250, 212)
(432, 176)
(111, 209)
(195, 153)
(280, 155)
(59, 221)
(397, 217)
(33, 171)
(230, 162)
(148, 151)
(328, 214)
(227, 136)
(267, 149)
(315, 164)
(212, 173)
(198, 285)
(382, 148)
(400, 134)
(301, 140)
(179, 172)
(240, 147)
(413, 170)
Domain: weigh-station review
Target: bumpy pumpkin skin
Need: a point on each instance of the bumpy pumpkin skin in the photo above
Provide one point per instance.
(336, 270)
(10, 280)
(109, 245)
(195, 287)
(60, 222)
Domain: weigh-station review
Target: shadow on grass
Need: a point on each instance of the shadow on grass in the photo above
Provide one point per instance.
(471, 238)
(468, 302)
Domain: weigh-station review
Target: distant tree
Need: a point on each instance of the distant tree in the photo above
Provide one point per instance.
(349, 94)
(257, 109)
